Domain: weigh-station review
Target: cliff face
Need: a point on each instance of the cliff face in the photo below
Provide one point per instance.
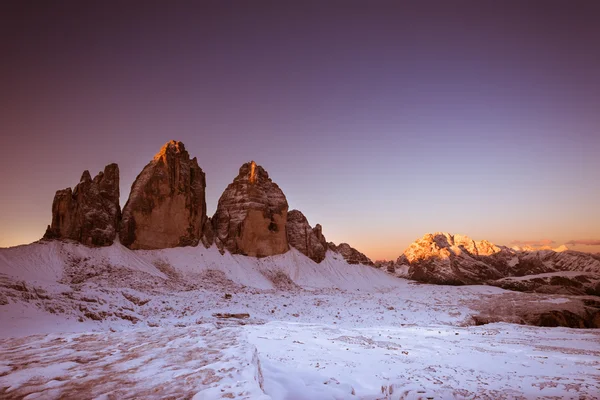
(89, 213)
(309, 241)
(166, 206)
(251, 215)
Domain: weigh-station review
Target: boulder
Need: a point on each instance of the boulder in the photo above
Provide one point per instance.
(251, 215)
(167, 205)
(309, 241)
(90, 212)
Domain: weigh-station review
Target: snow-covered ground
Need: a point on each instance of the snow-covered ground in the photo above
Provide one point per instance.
(200, 362)
(113, 323)
(498, 361)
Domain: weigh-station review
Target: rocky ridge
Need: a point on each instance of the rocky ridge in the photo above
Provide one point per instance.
(309, 241)
(350, 254)
(167, 208)
(442, 258)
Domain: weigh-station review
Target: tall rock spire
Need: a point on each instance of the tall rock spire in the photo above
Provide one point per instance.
(251, 215)
(167, 205)
(309, 241)
(90, 212)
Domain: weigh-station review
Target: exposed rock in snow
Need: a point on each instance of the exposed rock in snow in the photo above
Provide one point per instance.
(89, 213)
(569, 311)
(390, 266)
(455, 259)
(166, 206)
(561, 282)
(251, 215)
(208, 233)
(449, 259)
(350, 254)
(309, 241)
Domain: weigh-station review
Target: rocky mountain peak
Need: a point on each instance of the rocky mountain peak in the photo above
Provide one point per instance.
(166, 206)
(171, 149)
(251, 214)
(350, 254)
(90, 212)
(86, 177)
(440, 241)
(252, 173)
(442, 257)
(309, 241)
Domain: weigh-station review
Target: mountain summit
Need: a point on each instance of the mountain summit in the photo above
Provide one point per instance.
(444, 258)
(454, 259)
(166, 206)
(90, 212)
(251, 215)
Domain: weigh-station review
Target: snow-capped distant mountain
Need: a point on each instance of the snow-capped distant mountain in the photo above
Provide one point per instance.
(443, 258)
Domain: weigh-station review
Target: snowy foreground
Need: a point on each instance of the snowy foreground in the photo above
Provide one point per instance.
(110, 323)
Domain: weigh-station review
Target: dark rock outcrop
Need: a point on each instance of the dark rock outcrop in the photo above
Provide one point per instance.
(350, 254)
(556, 283)
(538, 310)
(251, 215)
(385, 265)
(208, 233)
(309, 241)
(89, 213)
(166, 206)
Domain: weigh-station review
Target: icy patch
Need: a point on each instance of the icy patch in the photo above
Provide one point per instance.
(200, 361)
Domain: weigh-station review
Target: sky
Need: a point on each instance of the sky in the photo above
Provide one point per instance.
(382, 121)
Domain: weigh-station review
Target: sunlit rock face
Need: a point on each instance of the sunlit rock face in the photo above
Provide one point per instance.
(166, 206)
(309, 241)
(350, 254)
(457, 260)
(90, 212)
(450, 259)
(251, 215)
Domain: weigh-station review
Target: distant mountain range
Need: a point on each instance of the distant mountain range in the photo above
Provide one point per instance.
(443, 258)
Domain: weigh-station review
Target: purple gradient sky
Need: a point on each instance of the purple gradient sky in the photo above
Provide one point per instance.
(381, 121)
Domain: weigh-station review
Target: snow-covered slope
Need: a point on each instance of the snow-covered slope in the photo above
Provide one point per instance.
(46, 261)
(192, 323)
(51, 260)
